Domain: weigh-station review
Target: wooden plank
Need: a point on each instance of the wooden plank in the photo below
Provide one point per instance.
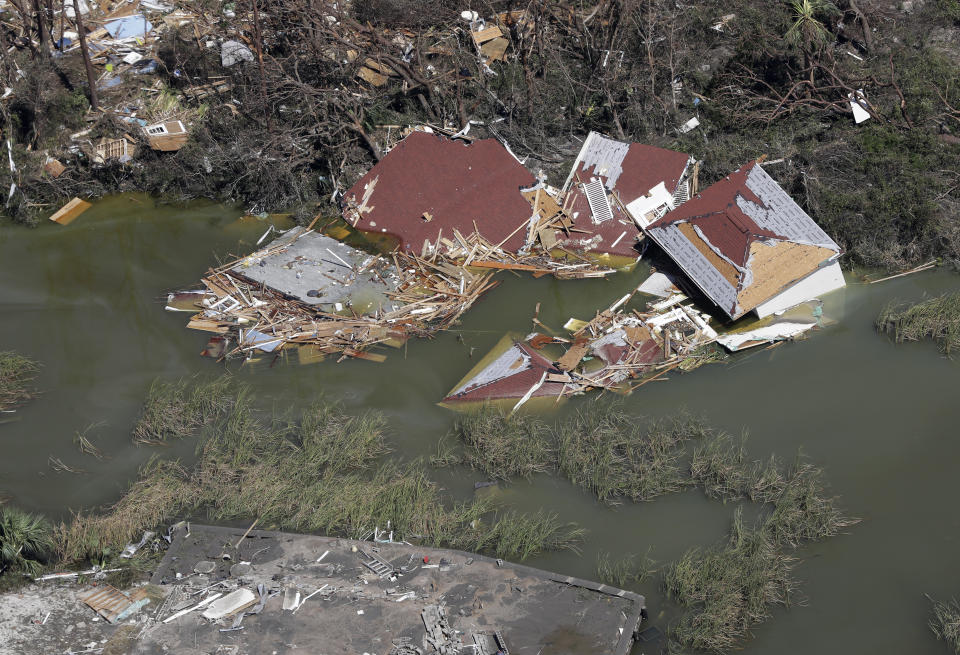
(487, 34)
(372, 77)
(69, 212)
(509, 266)
(573, 356)
(495, 50)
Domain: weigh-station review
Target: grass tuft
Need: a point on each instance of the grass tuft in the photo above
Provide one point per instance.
(174, 410)
(503, 445)
(728, 588)
(625, 571)
(937, 318)
(16, 374)
(945, 623)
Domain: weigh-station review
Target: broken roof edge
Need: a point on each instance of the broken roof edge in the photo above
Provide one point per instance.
(693, 278)
(576, 162)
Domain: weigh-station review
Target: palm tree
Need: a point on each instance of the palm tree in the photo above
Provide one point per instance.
(808, 32)
(25, 540)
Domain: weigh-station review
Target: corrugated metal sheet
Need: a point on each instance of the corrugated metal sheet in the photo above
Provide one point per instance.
(605, 157)
(781, 214)
(113, 604)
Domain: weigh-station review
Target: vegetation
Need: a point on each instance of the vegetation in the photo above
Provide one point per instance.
(25, 542)
(16, 374)
(773, 79)
(626, 571)
(945, 623)
(937, 318)
(728, 588)
(606, 451)
(318, 474)
(725, 589)
(797, 506)
(174, 410)
(503, 445)
(615, 455)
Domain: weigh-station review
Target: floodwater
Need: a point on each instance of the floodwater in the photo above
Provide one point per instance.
(86, 300)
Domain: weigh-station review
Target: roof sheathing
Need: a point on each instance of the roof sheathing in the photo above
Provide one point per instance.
(457, 184)
(746, 207)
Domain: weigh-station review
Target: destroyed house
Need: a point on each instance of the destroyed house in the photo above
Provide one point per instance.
(616, 188)
(748, 246)
(427, 186)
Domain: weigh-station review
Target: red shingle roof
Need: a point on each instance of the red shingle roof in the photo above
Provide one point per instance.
(716, 214)
(643, 167)
(455, 182)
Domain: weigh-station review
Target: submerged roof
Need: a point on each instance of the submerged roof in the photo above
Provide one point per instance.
(428, 183)
(510, 370)
(627, 170)
(743, 240)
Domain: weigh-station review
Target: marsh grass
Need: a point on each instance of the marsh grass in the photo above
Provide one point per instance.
(174, 410)
(615, 455)
(937, 318)
(322, 473)
(797, 505)
(945, 623)
(627, 570)
(728, 588)
(16, 374)
(607, 451)
(503, 445)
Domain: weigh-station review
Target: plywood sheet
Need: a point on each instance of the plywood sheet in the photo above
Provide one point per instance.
(776, 266)
(495, 50)
(487, 34)
(69, 212)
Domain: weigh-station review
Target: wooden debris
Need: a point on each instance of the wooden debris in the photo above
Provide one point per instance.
(54, 168)
(168, 136)
(426, 295)
(69, 212)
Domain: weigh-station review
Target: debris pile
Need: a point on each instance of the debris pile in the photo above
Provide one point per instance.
(309, 290)
(606, 352)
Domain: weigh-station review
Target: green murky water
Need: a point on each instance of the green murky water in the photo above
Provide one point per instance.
(87, 301)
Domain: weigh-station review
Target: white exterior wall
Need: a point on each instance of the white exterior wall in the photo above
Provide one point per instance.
(826, 279)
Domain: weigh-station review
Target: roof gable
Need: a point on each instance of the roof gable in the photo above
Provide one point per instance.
(743, 240)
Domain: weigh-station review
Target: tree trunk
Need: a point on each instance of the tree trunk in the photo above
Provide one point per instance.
(258, 41)
(91, 80)
(41, 27)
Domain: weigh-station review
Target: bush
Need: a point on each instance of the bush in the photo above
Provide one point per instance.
(26, 541)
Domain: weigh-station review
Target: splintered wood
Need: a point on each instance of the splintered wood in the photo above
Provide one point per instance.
(634, 345)
(425, 296)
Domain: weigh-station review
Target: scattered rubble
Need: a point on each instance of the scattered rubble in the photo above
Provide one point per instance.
(309, 290)
(607, 352)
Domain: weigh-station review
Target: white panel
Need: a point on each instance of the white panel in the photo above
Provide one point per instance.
(656, 198)
(826, 279)
(599, 204)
